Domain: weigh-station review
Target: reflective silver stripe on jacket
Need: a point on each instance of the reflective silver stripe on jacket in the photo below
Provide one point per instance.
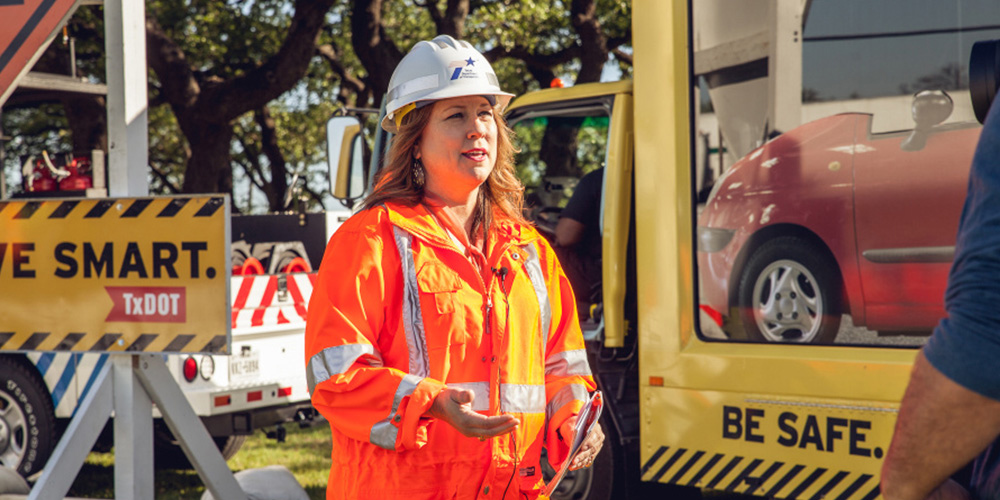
(568, 363)
(481, 390)
(413, 322)
(383, 432)
(522, 398)
(534, 268)
(565, 396)
(334, 361)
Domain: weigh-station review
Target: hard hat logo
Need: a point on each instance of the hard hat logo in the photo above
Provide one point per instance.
(464, 69)
(441, 68)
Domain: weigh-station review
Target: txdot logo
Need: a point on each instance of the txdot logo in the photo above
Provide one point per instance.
(155, 304)
(463, 69)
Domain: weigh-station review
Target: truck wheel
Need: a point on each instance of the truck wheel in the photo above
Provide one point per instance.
(790, 291)
(167, 452)
(27, 419)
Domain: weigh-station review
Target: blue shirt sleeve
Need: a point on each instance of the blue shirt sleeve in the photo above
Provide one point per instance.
(965, 346)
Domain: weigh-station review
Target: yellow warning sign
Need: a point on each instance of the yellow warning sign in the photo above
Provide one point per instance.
(126, 274)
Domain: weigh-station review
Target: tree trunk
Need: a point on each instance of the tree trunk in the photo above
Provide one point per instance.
(269, 145)
(374, 49)
(209, 170)
(593, 43)
(205, 106)
(88, 123)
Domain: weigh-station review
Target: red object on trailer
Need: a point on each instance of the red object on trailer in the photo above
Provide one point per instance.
(43, 182)
(252, 266)
(77, 180)
(297, 265)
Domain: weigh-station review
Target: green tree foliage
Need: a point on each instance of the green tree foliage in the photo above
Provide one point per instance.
(201, 51)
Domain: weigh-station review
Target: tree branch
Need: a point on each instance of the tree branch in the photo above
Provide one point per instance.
(164, 178)
(539, 65)
(250, 170)
(232, 98)
(314, 194)
(561, 56)
(254, 170)
(431, 7)
(617, 41)
(332, 57)
(177, 81)
(622, 56)
(269, 145)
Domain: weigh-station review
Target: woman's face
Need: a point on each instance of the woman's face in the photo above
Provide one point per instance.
(458, 147)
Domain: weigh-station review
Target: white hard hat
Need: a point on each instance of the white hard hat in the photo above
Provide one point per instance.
(439, 69)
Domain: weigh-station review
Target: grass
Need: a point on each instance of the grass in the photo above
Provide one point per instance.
(305, 452)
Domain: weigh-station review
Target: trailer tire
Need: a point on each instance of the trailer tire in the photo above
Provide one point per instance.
(168, 454)
(28, 430)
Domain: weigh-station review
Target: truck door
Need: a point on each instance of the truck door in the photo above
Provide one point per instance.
(564, 145)
(909, 187)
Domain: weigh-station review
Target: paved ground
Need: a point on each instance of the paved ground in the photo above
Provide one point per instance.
(850, 334)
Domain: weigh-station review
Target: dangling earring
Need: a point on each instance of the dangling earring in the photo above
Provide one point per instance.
(418, 172)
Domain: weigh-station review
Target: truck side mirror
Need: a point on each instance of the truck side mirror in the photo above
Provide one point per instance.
(345, 157)
(984, 76)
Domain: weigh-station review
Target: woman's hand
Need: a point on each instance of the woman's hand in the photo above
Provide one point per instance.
(590, 448)
(455, 407)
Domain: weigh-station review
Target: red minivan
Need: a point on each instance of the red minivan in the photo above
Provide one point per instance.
(830, 219)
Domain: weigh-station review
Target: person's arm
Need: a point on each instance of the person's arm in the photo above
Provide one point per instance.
(344, 342)
(941, 427)
(569, 232)
(951, 409)
(583, 208)
(568, 379)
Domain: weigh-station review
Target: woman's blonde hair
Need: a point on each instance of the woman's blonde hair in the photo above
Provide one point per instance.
(502, 193)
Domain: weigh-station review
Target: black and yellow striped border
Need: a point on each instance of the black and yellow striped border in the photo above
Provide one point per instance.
(100, 209)
(127, 208)
(755, 476)
(108, 342)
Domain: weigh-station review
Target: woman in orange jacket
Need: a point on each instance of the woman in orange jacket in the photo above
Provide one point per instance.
(442, 341)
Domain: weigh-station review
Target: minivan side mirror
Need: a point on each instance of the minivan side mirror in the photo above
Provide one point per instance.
(930, 108)
(345, 158)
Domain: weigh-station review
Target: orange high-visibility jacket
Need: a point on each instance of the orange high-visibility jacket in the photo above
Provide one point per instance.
(397, 312)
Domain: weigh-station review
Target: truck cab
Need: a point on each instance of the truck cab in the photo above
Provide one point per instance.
(770, 260)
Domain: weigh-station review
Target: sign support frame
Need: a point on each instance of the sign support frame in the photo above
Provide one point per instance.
(132, 382)
(129, 385)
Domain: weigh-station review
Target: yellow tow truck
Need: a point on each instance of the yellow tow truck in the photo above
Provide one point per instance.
(692, 401)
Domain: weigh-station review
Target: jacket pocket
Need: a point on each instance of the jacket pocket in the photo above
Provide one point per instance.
(435, 280)
(443, 314)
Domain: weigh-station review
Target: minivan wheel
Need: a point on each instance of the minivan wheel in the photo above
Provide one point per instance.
(790, 291)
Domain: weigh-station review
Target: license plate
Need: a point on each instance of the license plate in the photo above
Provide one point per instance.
(244, 366)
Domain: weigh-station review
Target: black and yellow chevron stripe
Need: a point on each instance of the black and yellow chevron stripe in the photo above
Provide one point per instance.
(756, 476)
(108, 341)
(102, 208)
(61, 260)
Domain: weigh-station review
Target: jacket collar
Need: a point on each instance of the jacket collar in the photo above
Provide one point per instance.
(418, 221)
